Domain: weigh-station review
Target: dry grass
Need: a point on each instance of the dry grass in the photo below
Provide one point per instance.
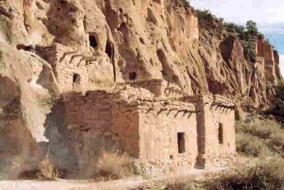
(179, 185)
(259, 137)
(113, 166)
(263, 175)
(261, 128)
(250, 145)
(48, 172)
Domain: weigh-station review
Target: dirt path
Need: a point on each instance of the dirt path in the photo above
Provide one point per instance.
(110, 185)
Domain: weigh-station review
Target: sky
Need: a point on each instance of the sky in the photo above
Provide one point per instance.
(268, 14)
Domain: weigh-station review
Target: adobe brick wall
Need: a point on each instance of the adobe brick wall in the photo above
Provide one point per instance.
(132, 120)
(94, 71)
(160, 88)
(214, 111)
(159, 125)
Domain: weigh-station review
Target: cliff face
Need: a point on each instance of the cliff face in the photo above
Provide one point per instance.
(57, 46)
(146, 40)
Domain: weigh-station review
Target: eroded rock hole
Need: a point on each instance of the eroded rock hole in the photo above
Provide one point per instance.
(93, 41)
(166, 72)
(142, 41)
(109, 49)
(25, 47)
(133, 76)
(122, 28)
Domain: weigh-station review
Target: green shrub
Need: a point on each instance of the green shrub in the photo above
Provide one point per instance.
(205, 18)
(184, 3)
(251, 146)
(277, 106)
(277, 140)
(234, 28)
(251, 27)
(2, 65)
(179, 185)
(263, 175)
(261, 128)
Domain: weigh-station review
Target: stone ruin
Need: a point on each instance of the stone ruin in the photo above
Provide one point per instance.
(152, 120)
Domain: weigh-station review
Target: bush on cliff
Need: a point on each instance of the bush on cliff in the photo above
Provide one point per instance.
(184, 3)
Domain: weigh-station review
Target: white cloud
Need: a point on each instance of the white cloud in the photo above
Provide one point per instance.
(263, 12)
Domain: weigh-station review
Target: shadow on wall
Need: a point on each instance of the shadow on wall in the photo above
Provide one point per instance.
(60, 150)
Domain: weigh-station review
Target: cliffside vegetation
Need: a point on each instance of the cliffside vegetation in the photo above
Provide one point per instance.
(247, 34)
(277, 107)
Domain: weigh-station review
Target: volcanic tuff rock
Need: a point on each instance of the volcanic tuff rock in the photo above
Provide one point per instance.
(47, 46)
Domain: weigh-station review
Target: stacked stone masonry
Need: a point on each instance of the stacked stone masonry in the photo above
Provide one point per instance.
(78, 70)
(174, 134)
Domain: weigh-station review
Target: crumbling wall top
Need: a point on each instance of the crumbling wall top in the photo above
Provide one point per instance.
(210, 99)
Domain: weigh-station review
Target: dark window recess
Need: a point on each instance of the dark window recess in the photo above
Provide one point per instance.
(220, 133)
(76, 78)
(132, 76)
(109, 49)
(181, 142)
(93, 41)
(25, 47)
(63, 2)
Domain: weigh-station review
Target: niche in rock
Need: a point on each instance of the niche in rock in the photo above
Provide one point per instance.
(109, 49)
(133, 76)
(93, 41)
(166, 71)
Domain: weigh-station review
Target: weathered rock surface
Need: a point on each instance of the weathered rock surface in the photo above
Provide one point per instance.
(143, 40)
(57, 46)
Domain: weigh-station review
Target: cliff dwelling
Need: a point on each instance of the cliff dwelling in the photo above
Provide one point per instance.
(175, 134)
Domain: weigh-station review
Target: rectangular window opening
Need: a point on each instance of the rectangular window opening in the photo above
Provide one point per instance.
(76, 78)
(220, 133)
(181, 143)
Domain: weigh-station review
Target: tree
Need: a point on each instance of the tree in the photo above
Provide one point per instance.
(251, 27)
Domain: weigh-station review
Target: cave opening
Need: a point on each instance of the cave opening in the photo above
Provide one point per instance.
(133, 76)
(93, 41)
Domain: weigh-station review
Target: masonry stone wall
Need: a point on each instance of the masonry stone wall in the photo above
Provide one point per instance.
(159, 126)
(78, 70)
(216, 129)
(173, 134)
(158, 87)
(125, 126)
(89, 120)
